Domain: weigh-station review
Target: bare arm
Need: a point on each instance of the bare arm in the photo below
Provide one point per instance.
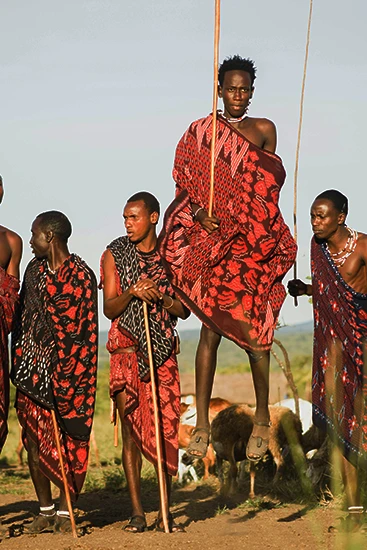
(144, 289)
(16, 247)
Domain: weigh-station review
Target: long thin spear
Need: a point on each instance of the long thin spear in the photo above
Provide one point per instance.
(161, 476)
(215, 102)
(65, 481)
(299, 138)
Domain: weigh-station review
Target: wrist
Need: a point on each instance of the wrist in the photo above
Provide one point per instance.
(167, 301)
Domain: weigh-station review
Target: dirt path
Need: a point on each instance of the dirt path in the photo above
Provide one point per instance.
(211, 522)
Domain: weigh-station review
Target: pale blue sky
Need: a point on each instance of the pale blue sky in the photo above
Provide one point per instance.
(96, 93)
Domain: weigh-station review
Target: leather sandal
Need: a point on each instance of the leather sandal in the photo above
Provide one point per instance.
(172, 526)
(257, 446)
(199, 442)
(40, 524)
(136, 524)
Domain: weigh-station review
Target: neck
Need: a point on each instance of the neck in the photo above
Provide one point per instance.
(57, 256)
(148, 244)
(338, 239)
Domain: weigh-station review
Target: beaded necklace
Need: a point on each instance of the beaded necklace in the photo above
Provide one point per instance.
(339, 258)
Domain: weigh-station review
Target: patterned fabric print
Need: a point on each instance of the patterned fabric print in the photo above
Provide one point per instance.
(54, 344)
(339, 382)
(37, 426)
(131, 265)
(230, 279)
(9, 287)
(139, 413)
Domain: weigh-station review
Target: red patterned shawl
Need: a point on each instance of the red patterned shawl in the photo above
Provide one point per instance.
(339, 387)
(124, 376)
(9, 287)
(230, 279)
(54, 351)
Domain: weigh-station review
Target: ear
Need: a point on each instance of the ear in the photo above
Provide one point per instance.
(341, 218)
(49, 236)
(220, 91)
(154, 217)
(252, 92)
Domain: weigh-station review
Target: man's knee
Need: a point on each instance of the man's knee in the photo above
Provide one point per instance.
(209, 338)
(257, 356)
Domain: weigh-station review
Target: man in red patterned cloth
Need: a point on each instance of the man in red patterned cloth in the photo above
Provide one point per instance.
(339, 299)
(228, 268)
(10, 256)
(54, 353)
(132, 273)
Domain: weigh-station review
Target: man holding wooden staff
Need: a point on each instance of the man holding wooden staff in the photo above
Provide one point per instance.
(132, 273)
(228, 267)
(54, 352)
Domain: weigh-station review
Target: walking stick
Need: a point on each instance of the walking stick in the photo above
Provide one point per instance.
(66, 488)
(299, 139)
(161, 477)
(215, 102)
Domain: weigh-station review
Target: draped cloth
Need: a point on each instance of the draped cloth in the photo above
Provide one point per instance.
(125, 372)
(230, 279)
(54, 353)
(9, 287)
(339, 377)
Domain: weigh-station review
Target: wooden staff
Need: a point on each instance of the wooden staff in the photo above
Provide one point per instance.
(299, 139)
(65, 481)
(161, 476)
(215, 102)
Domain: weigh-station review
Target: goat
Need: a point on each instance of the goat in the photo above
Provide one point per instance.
(231, 430)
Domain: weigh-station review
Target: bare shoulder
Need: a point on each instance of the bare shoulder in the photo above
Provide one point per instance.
(362, 243)
(14, 240)
(267, 132)
(265, 125)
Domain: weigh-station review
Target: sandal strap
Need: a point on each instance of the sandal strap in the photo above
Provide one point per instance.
(205, 430)
(265, 424)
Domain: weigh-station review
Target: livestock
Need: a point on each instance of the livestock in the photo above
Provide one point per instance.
(187, 424)
(231, 430)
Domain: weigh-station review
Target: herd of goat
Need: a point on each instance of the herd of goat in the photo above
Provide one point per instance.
(293, 440)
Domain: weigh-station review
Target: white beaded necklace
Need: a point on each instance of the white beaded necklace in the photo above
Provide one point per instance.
(234, 120)
(339, 258)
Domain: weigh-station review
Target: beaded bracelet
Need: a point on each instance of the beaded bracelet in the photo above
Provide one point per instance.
(171, 304)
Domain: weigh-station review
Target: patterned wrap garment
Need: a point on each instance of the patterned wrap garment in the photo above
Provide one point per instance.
(339, 389)
(232, 278)
(9, 287)
(54, 355)
(127, 369)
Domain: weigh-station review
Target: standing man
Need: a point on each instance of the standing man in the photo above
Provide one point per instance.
(54, 350)
(132, 273)
(228, 268)
(10, 256)
(339, 298)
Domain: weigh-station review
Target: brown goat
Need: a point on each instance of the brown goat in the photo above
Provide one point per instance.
(231, 430)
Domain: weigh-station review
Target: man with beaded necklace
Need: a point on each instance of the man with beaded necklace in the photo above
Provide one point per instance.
(339, 296)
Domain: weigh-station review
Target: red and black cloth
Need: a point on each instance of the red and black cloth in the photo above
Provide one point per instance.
(54, 354)
(128, 330)
(9, 287)
(339, 382)
(232, 278)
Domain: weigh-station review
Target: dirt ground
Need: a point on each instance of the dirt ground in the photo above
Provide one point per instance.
(210, 521)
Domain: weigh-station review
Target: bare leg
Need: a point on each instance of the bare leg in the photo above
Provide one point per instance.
(41, 483)
(205, 365)
(131, 460)
(260, 366)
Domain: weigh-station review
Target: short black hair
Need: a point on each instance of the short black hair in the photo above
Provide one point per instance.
(339, 200)
(237, 63)
(57, 222)
(148, 199)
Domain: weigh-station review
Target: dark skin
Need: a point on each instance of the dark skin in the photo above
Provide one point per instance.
(236, 93)
(11, 246)
(45, 244)
(328, 224)
(140, 227)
